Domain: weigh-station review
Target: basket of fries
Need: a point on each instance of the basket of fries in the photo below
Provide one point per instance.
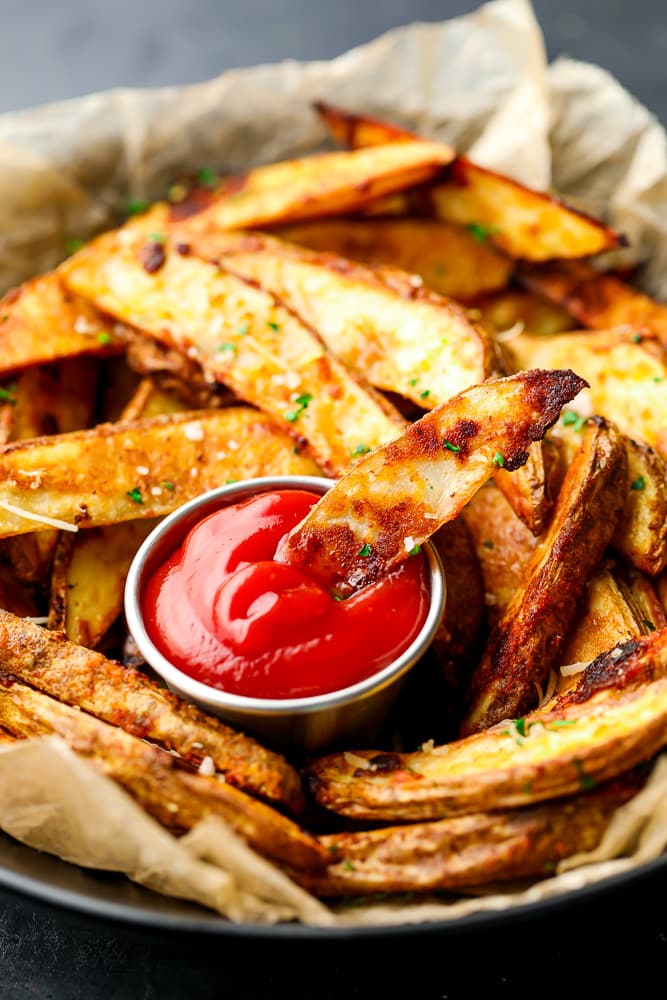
(397, 301)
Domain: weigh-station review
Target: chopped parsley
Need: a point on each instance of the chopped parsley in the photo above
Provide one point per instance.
(658, 378)
(487, 543)
(365, 550)
(480, 232)
(361, 449)
(498, 460)
(333, 848)
(207, 176)
(168, 485)
(450, 447)
(157, 237)
(7, 395)
(415, 550)
(302, 402)
(104, 337)
(242, 329)
(638, 484)
(560, 723)
(273, 326)
(348, 866)
(636, 338)
(573, 420)
(413, 381)
(649, 625)
(228, 482)
(227, 346)
(135, 206)
(337, 597)
(73, 245)
(135, 494)
(425, 394)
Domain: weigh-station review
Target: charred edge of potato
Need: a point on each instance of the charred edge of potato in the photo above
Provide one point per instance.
(526, 640)
(628, 665)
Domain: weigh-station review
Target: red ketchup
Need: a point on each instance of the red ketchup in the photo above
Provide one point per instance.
(223, 611)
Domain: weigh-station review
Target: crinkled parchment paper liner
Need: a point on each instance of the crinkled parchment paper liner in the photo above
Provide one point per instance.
(67, 170)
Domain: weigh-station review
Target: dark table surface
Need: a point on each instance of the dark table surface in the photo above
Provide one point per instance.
(617, 939)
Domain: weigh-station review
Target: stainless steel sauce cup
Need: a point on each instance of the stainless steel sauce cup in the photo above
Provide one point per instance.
(349, 717)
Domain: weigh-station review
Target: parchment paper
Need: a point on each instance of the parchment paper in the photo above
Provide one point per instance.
(67, 170)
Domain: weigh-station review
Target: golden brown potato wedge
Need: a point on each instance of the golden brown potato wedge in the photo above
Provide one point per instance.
(41, 322)
(88, 579)
(628, 384)
(504, 547)
(241, 336)
(465, 851)
(400, 494)
(447, 257)
(512, 311)
(161, 784)
(527, 638)
(640, 593)
(320, 185)
(526, 490)
(121, 472)
(528, 224)
(603, 729)
(602, 301)
(398, 336)
(127, 698)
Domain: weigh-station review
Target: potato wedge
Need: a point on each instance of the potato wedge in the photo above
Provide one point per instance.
(602, 301)
(641, 596)
(526, 490)
(609, 729)
(319, 185)
(399, 337)
(241, 336)
(127, 698)
(526, 640)
(465, 851)
(41, 322)
(121, 472)
(400, 494)
(512, 311)
(88, 580)
(525, 223)
(504, 547)
(447, 257)
(162, 785)
(627, 383)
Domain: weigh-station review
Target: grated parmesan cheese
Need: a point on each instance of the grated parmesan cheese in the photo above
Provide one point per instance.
(207, 767)
(355, 761)
(569, 669)
(194, 432)
(53, 522)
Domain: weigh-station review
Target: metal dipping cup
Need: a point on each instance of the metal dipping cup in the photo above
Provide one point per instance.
(350, 717)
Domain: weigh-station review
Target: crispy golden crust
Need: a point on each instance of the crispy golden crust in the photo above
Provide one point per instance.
(465, 851)
(527, 639)
(447, 257)
(526, 491)
(399, 495)
(601, 301)
(41, 321)
(127, 698)
(397, 334)
(641, 535)
(627, 381)
(240, 335)
(503, 544)
(161, 784)
(320, 185)
(527, 224)
(617, 720)
(121, 472)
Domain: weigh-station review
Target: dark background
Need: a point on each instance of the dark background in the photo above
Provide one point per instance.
(54, 50)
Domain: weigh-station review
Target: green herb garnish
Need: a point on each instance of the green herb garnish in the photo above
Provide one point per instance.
(273, 326)
(425, 394)
(415, 550)
(104, 338)
(450, 447)
(207, 176)
(649, 625)
(168, 485)
(227, 346)
(498, 460)
(487, 543)
(365, 550)
(361, 449)
(135, 206)
(638, 484)
(71, 246)
(573, 420)
(302, 402)
(481, 232)
(135, 494)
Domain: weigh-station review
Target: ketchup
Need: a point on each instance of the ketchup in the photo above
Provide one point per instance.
(223, 611)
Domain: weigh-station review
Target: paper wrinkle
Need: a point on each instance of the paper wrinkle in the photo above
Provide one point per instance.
(67, 170)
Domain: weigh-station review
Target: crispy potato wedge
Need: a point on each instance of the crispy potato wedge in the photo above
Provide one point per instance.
(504, 547)
(400, 494)
(121, 472)
(641, 596)
(627, 382)
(514, 310)
(399, 337)
(525, 223)
(242, 337)
(526, 490)
(602, 301)
(612, 721)
(88, 579)
(465, 851)
(127, 698)
(527, 638)
(447, 257)
(41, 322)
(162, 785)
(319, 185)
